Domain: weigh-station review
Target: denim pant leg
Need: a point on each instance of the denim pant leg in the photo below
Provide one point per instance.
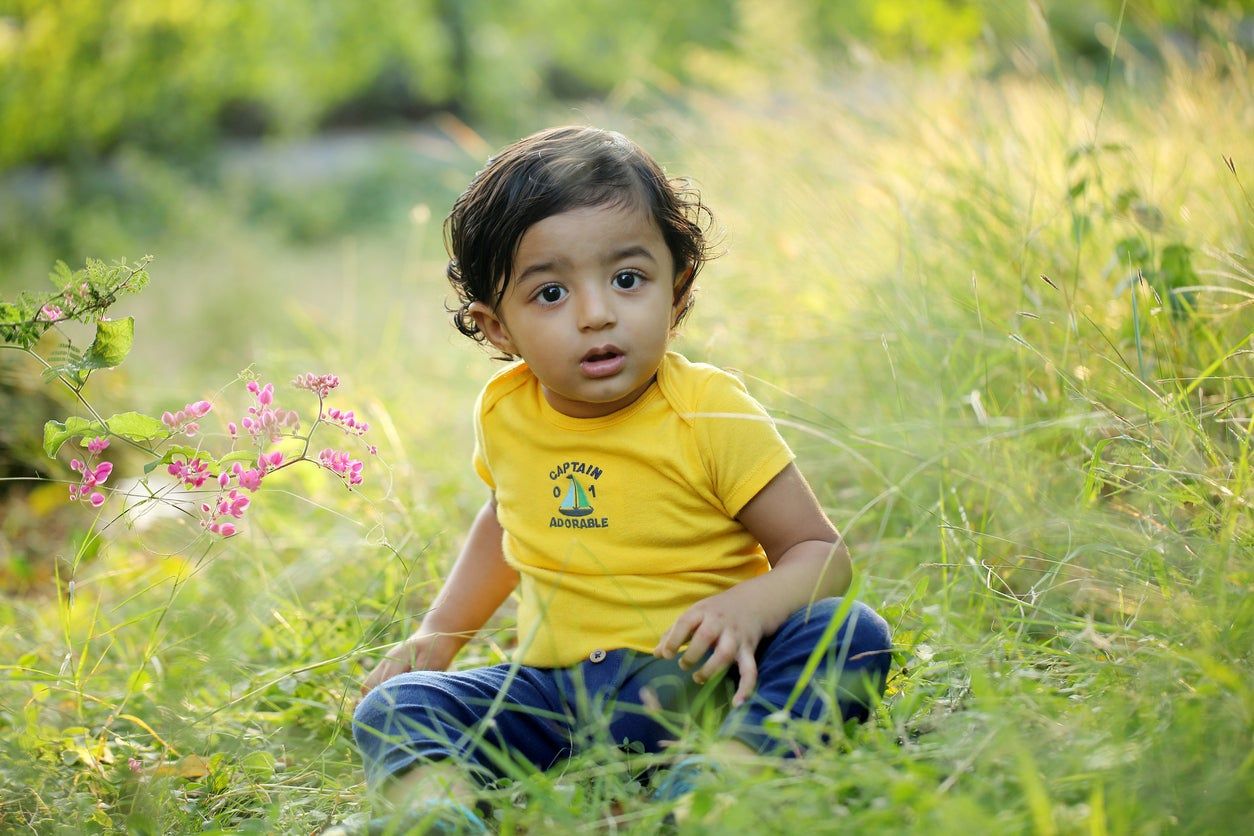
(658, 702)
(855, 661)
(435, 715)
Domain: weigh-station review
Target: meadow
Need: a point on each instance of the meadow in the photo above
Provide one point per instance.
(1004, 320)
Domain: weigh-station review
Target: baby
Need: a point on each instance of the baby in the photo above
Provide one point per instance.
(644, 508)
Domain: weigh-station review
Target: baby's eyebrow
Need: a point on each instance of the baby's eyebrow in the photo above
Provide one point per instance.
(539, 267)
(629, 252)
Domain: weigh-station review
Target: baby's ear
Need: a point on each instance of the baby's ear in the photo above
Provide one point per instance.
(492, 327)
(682, 293)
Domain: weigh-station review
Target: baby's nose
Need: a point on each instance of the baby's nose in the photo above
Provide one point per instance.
(595, 311)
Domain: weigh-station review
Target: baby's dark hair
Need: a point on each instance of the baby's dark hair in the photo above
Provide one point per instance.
(551, 172)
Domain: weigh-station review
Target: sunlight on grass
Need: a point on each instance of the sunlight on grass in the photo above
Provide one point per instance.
(1032, 425)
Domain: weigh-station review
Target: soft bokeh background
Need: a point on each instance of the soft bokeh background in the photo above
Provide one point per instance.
(934, 216)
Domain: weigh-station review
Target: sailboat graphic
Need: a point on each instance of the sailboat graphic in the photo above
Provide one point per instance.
(576, 502)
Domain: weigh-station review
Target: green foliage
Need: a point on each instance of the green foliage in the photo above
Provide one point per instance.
(57, 433)
(129, 425)
(1040, 461)
(84, 76)
(83, 295)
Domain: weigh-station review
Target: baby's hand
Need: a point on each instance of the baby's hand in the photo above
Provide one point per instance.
(730, 625)
(417, 653)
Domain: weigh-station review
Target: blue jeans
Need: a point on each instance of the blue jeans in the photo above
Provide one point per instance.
(502, 720)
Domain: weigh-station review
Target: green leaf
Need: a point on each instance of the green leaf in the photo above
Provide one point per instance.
(259, 764)
(57, 433)
(131, 425)
(17, 323)
(237, 456)
(1132, 253)
(61, 276)
(1176, 266)
(1093, 481)
(113, 342)
(137, 427)
(1175, 272)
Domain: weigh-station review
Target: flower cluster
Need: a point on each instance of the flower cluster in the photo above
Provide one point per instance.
(191, 473)
(185, 420)
(51, 313)
(224, 484)
(92, 475)
(345, 420)
(338, 461)
(229, 504)
(320, 383)
(263, 422)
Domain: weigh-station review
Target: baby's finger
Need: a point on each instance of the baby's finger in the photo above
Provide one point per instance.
(676, 635)
(724, 654)
(699, 645)
(377, 677)
(748, 674)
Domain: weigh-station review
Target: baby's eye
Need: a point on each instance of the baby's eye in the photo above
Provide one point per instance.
(627, 280)
(549, 294)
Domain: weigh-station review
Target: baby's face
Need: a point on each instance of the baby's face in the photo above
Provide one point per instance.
(589, 308)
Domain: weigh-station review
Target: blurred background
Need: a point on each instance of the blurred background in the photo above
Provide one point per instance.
(948, 268)
(298, 159)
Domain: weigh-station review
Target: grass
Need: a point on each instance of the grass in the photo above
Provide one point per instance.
(1040, 460)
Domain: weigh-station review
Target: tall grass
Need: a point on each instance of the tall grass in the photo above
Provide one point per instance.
(1039, 453)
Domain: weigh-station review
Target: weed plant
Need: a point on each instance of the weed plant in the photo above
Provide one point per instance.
(1006, 325)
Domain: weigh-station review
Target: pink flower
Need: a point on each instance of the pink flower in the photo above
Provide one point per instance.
(192, 474)
(320, 383)
(250, 479)
(338, 461)
(185, 420)
(231, 504)
(225, 529)
(135, 764)
(91, 476)
(346, 421)
(51, 313)
(264, 422)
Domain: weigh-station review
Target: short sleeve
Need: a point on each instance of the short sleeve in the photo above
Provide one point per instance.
(480, 458)
(741, 447)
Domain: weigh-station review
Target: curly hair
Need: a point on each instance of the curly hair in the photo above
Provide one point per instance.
(551, 172)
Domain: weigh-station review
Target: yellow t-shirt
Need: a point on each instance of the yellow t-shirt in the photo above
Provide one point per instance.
(618, 524)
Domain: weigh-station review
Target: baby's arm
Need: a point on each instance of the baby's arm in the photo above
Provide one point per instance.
(480, 582)
(808, 561)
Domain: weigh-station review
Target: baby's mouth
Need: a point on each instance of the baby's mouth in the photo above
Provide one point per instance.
(602, 361)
